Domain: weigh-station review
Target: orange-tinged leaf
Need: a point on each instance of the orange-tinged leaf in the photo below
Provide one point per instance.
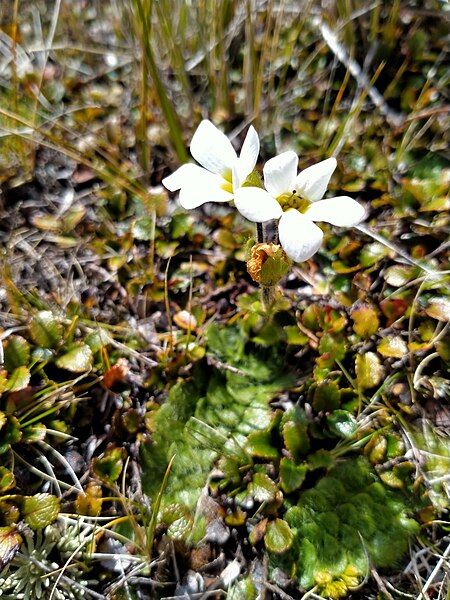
(10, 540)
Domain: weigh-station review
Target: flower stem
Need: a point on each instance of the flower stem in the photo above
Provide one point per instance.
(267, 291)
(260, 237)
(267, 296)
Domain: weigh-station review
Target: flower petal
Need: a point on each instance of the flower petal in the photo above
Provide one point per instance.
(184, 174)
(342, 211)
(312, 183)
(299, 237)
(256, 205)
(248, 157)
(212, 149)
(206, 187)
(280, 172)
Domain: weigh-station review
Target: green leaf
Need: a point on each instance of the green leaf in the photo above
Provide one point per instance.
(392, 347)
(10, 541)
(275, 268)
(365, 320)
(77, 360)
(226, 239)
(17, 352)
(399, 275)
(296, 440)
(207, 422)
(439, 308)
(392, 480)
(262, 488)
(40, 510)
(41, 355)
(332, 348)
(327, 397)
(342, 423)
(242, 590)
(143, 229)
(7, 479)
(369, 371)
(372, 253)
(375, 449)
(226, 343)
(259, 444)
(45, 330)
(97, 339)
(109, 466)
(278, 537)
(348, 521)
(322, 459)
(34, 433)
(9, 433)
(19, 379)
(292, 476)
(268, 335)
(294, 336)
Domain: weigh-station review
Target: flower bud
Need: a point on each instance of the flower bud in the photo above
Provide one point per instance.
(267, 264)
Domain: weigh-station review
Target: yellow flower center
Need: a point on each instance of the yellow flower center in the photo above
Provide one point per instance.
(293, 200)
(227, 184)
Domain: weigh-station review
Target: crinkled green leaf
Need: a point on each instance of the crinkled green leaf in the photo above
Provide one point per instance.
(45, 329)
(77, 360)
(278, 537)
(242, 590)
(292, 475)
(143, 229)
(17, 352)
(10, 433)
(392, 347)
(259, 444)
(439, 308)
(40, 510)
(109, 466)
(365, 320)
(327, 397)
(369, 370)
(7, 479)
(348, 521)
(19, 379)
(262, 488)
(342, 423)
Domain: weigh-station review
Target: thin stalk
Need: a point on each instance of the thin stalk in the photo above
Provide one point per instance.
(167, 306)
(14, 34)
(174, 47)
(250, 60)
(144, 14)
(155, 509)
(109, 173)
(259, 233)
(141, 129)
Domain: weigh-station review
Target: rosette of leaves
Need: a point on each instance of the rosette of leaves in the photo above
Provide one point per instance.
(47, 341)
(46, 354)
(347, 522)
(33, 572)
(208, 421)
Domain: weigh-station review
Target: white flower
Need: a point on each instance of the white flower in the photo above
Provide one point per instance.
(296, 199)
(222, 171)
